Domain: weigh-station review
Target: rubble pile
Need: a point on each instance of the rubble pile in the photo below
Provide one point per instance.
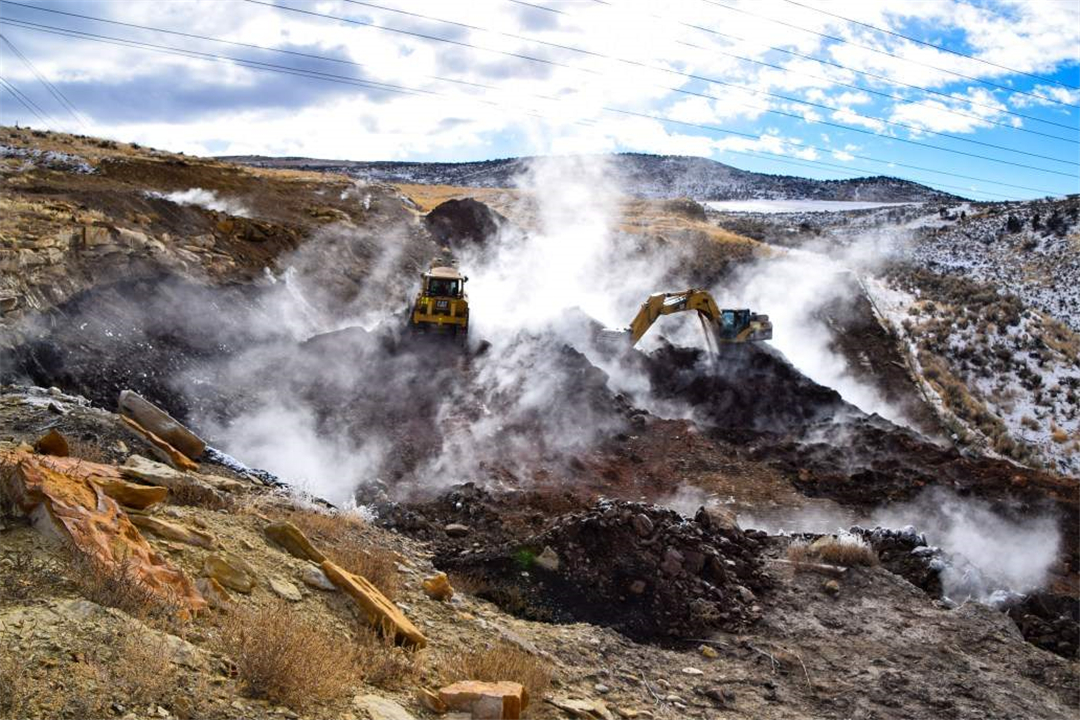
(644, 570)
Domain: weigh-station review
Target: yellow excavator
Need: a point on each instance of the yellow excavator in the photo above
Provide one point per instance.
(722, 326)
(441, 305)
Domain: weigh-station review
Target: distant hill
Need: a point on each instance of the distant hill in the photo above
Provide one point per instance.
(647, 176)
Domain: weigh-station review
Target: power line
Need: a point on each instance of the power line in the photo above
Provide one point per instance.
(864, 73)
(800, 118)
(386, 87)
(42, 115)
(743, 87)
(930, 44)
(53, 90)
(24, 101)
(879, 51)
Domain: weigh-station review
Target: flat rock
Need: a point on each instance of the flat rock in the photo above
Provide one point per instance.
(380, 708)
(175, 531)
(231, 571)
(381, 613)
(294, 541)
(52, 443)
(285, 590)
(142, 469)
(128, 494)
(313, 576)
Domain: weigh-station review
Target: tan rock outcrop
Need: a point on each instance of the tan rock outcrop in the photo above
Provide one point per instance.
(486, 699)
(174, 531)
(155, 420)
(164, 450)
(294, 541)
(137, 497)
(136, 467)
(216, 595)
(73, 508)
(382, 613)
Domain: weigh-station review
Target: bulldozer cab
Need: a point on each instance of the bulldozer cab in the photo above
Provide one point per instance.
(441, 305)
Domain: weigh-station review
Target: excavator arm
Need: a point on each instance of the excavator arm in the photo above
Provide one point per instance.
(721, 325)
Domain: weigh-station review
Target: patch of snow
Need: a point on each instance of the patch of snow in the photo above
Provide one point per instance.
(790, 206)
(50, 159)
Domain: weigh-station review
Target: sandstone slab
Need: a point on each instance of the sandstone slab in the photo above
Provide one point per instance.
(488, 700)
(155, 420)
(231, 571)
(381, 613)
(175, 531)
(294, 541)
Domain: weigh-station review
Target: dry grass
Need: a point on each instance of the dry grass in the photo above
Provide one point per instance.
(845, 550)
(500, 661)
(142, 670)
(24, 576)
(283, 656)
(381, 662)
(119, 587)
(343, 538)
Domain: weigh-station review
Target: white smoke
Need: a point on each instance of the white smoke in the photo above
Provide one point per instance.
(1014, 554)
(204, 198)
(792, 288)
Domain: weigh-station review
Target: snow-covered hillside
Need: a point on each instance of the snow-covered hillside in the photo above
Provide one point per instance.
(646, 176)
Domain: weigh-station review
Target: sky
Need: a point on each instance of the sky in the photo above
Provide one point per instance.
(982, 100)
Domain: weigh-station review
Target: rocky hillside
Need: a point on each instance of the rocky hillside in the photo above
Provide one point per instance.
(233, 484)
(645, 176)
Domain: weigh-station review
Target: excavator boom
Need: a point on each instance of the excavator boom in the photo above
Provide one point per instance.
(721, 325)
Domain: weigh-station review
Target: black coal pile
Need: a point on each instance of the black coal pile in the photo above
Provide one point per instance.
(644, 570)
(905, 553)
(1050, 621)
(751, 387)
(460, 223)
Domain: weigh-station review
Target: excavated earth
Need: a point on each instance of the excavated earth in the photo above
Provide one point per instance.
(585, 544)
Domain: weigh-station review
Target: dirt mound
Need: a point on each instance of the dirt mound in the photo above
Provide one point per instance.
(459, 223)
(641, 569)
(746, 387)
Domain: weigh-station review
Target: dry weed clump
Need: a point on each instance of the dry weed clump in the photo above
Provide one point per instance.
(845, 549)
(500, 661)
(342, 538)
(141, 671)
(119, 587)
(286, 658)
(382, 663)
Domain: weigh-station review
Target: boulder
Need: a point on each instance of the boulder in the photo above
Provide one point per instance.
(381, 613)
(437, 587)
(162, 449)
(314, 577)
(52, 443)
(431, 701)
(456, 530)
(160, 423)
(548, 560)
(76, 510)
(173, 531)
(231, 571)
(486, 699)
(294, 541)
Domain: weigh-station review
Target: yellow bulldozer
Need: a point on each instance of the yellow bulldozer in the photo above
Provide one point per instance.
(722, 326)
(441, 304)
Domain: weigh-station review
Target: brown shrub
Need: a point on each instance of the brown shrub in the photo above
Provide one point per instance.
(286, 658)
(119, 587)
(383, 663)
(142, 670)
(500, 661)
(1059, 435)
(846, 550)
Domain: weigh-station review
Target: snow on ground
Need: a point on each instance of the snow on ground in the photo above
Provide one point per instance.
(792, 206)
(50, 159)
(1024, 374)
